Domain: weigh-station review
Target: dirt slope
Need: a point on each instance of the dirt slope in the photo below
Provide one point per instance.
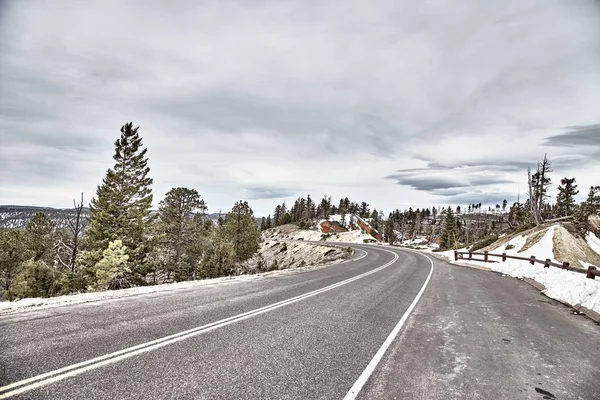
(566, 245)
(572, 249)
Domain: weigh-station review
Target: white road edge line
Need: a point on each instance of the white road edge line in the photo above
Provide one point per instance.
(364, 377)
(76, 369)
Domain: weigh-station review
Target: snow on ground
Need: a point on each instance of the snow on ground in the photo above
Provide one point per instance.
(419, 243)
(593, 242)
(565, 286)
(517, 243)
(338, 218)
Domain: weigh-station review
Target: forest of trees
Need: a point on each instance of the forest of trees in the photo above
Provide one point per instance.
(536, 210)
(305, 211)
(124, 243)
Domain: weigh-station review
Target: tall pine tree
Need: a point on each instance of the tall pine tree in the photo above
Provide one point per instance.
(176, 225)
(121, 208)
(590, 207)
(240, 228)
(565, 199)
(40, 234)
(449, 233)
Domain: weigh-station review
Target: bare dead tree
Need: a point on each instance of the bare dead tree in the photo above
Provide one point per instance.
(543, 182)
(69, 248)
(532, 192)
(538, 184)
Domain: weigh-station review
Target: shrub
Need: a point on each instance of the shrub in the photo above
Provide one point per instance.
(524, 227)
(509, 246)
(484, 242)
(112, 270)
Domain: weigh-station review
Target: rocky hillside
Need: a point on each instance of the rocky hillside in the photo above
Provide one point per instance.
(293, 232)
(276, 253)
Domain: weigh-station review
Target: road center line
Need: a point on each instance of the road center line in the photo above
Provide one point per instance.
(25, 385)
(364, 377)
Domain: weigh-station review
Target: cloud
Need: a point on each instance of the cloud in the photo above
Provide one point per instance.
(587, 135)
(255, 100)
(447, 182)
(267, 192)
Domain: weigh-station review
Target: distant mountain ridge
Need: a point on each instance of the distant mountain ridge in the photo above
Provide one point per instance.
(17, 217)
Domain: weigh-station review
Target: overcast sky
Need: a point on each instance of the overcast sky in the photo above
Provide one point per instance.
(397, 103)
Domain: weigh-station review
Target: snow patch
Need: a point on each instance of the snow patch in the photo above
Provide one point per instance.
(593, 242)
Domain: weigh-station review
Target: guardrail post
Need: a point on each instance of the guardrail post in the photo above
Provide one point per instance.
(547, 264)
(590, 272)
(485, 256)
(455, 255)
(470, 255)
(503, 257)
(565, 265)
(532, 260)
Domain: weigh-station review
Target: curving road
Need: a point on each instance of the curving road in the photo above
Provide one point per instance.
(354, 330)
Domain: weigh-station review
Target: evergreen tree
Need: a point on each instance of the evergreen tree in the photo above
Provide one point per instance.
(263, 224)
(268, 224)
(197, 247)
(518, 215)
(240, 228)
(449, 233)
(121, 208)
(277, 217)
(13, 252)
(112, 270)
(364, 210)
(220, 258)
(176, 226)
(41, 238)
(565, 199)
(36, 279)
(591, 206)
(504, 204)
(389, 233)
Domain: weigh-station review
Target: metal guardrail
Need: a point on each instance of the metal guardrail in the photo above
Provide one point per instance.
(591, 272)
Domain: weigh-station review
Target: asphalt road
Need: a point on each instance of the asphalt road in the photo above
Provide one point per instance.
(317, 334)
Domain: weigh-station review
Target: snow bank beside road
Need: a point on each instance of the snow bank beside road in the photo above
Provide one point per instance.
(565, 286)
